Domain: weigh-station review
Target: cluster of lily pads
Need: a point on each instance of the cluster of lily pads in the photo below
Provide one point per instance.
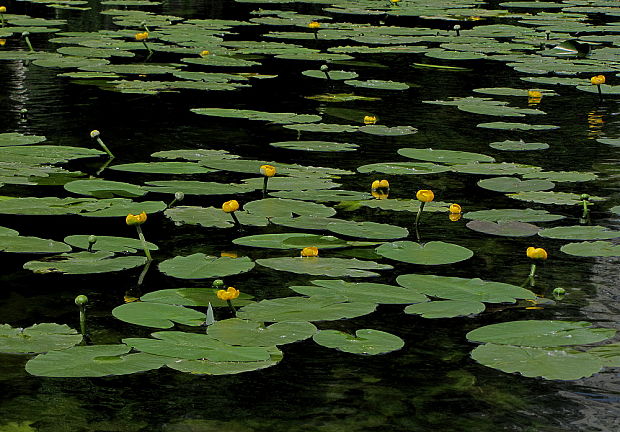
(302, 202)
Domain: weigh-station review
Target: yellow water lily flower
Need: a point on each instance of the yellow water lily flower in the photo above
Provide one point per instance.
(2, 9)
(138, 219)
(229, 254)
(314, 24)
(534, 94)
(228, 294)
(268, 170)
(204, 53)
(536, 253)
(455, 208)
(230, 206)
(455, 217)
(425, 195)
(377, 184)
(142, 36)
(379, 194)
(370, 120)
(310, 251)
(598, 79)
(2, 42)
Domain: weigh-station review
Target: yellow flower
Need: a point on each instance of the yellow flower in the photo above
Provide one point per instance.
(455, 208)
(394, 1)
(536, 253)
(425, 195)
(598, 80)
(314, 25)
(230, 206)
(310, 251)
(370, 119)
(2, 42)
(534, 94)
(2, 9)
(379, 194)
(229, 254)
(383, 184)
(268, 170)
(229, 294)
(454, 217)
(94, 133)
(204, 53)
(138, 219)
(142, 36)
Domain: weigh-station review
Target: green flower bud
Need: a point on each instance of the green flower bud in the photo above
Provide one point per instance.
(81, 300)
(585, 197)
(179, 196)
(218, 283)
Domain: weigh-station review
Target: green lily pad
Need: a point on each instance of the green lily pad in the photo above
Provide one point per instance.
(193, 187)
(401, 168)
(579, 232)
(193, 297)
(381, 130)
(194, 346)
(206, 367)
(431, 253)
(592, 249)
(504, 228)
(119, 207)
(518, 145)
(246, 333)
(295, 240)
(549, 197)
(516, 126)
(104, 188)
(163, 168)
(212, 217)
(201, 266)
(322, 127)
(365, 341)
(317, 266)
(158, 315)
(292, 183)
(614, 142)
(609, 354)
(37, 338)
(278, 207)
(606, 89)
(454, 288)
(326, 195)
(16, 139)
(362, 292)
(562, 176)
(19, 244)
(506, 91)
(503, 168)
(516, 215)
(444, 156)
(45, 154)
(84, 263)
(330, 74)
(8, 232)
(548, 363)
(446, 308)
(316, 308)
(540, 333)
(93, 361)
(514, 184)
(109, 243)
(316, 146)
(367, 230)
(278, 118)
(378, 84)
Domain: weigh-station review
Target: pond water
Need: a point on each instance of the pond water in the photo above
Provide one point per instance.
(432, 382)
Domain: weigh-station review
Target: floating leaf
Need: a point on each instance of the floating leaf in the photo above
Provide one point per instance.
(294, 240)
(444, 156)
(330, 74)
(192, 297)
(163, 168)
(109, 243)
(322, 195)
(579, 232)
(278, 118)
(201, 266)
(454, 288)
(20, 244)
(318, 266)
(16, 139)
(37, 338)
(403, 168)
(516, 126)
(378, 84)
(562, 176)
(504, 228)
(206, 367)
(513, 184)
(560, 198)
(192, 187)
(516, 215)
(157, 315)
(431, 253)
(445, 308)
(212, 217)
(246, 333)
(316, 146)
(518, 145)
(93, 361)
(104, 188)
(365, 341)
(382, 130)
(592, 249)
(84, 263)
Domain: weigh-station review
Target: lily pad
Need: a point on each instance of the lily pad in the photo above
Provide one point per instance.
(330, 74)
(201, 266)
(109, 243)
(515, 215)
(295, 240)
(158, 315)
(246, 333)
(316, 308)
(516, 126)
(20, 244)
(317, 266)
(431, 253)
(37, 338)
(548, 363)
(84, 263)
(206, 367)
(212, 217)
(365, 341)
(518, 145)
(381, 130)
(504, 228)
(548, 197)
(104, 188)
(193, 297)
(514, 184)
(316, 146)
(579, 232)
(402, 168)
(326, 195)
(16, 139)
(93, 361)
(444, 156)
(193, 187)
(378, 84)
(540, 333)
(592, 249)
(445, 308)
(163, 168)
(454, 288)
(278, 118)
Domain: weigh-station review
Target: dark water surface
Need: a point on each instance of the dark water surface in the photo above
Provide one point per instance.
(432, 383)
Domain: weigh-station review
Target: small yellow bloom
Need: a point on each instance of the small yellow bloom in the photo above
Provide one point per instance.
(425, 195)
(94, 133)
(310, 251)
(129, 299)
(229, 254)
(379, 194)
(229, 294)
(598, 79)
(395, 1)
(2, 42)
(142, 36)
(2, 9)
(536, 253)
(454, 217)
(314, 24)
(138, 219)
(268, 170)
(380, 184)
(230, 206)
(534, 94)
(455, 208)
(204, 53)
(370, 119)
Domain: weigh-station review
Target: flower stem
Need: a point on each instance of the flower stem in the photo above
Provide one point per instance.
(237, 223)
(148, 48)
(32, 49)
(600, 93)
(417, 218)
(104, 147)
(265, 180)
(147, 252)
(232, 308)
